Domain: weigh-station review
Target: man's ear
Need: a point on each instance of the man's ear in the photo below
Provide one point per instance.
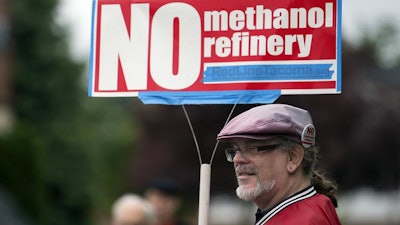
(295, 157)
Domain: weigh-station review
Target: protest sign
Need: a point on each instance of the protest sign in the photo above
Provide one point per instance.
(215, 52)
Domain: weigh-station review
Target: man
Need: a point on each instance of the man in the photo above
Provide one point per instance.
(275, 158)
(131, 209)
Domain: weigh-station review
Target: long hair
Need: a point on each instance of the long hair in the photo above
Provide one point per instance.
(319, 178)
(322, 183)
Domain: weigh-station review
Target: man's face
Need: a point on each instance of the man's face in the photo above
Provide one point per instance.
(258, 173)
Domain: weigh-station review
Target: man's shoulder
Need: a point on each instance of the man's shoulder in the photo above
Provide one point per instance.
(317, 210)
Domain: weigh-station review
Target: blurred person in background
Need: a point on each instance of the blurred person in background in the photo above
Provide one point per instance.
(275, 161)
(132, 209)
(164, 195)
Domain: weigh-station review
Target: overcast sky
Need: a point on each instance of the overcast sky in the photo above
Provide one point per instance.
(76, 15)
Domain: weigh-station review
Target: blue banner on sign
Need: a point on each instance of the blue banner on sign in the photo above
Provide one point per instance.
(209, 97)
(268, 72)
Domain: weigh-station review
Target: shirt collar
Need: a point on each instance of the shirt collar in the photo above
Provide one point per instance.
(262, 215)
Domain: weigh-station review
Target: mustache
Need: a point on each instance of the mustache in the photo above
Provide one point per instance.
(245, 169)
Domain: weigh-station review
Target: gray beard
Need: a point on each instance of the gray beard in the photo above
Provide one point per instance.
(250, 194)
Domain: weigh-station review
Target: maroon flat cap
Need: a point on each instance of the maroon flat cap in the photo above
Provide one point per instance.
(269, 121)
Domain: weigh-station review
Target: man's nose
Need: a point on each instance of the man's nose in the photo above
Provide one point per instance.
(239, 157)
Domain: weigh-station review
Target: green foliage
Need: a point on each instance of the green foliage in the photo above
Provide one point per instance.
(62, 162)
(382, 44)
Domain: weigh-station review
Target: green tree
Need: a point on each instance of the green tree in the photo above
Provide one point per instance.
(62, 160)
(381, 44)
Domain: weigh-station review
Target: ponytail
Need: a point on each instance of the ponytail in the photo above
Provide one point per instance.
(324, 185)
(321, 182)
(319, 179)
